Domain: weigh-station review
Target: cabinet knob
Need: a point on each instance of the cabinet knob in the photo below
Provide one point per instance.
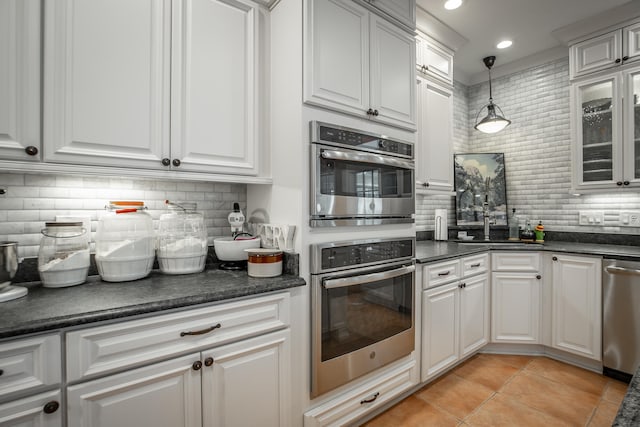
(375, 113)
(370, 112)
(51, 407)
(1, 372)
(555, 258)
(31, 150)
(626, 183)
(166, 161)
(624, 58)
(176, 162)
(619, 183)
(197, 365)
(538, 277)
(618, 60)
(208, 361)
(425, 184)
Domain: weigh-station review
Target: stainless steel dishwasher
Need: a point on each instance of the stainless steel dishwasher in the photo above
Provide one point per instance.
(620, 318)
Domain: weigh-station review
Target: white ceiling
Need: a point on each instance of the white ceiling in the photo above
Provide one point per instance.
(528, 23)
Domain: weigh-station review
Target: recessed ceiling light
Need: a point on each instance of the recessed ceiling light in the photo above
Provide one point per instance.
(504, 44)
(452, 4)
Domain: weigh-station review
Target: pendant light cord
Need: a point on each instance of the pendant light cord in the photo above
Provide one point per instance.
(490, 92)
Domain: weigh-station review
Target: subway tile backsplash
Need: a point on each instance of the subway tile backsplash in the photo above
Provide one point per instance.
(537, 148)
(31, 200)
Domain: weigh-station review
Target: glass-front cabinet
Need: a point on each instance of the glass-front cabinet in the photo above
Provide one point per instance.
(606, 127)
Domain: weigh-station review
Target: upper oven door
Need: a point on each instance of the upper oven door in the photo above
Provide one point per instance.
(357, 184)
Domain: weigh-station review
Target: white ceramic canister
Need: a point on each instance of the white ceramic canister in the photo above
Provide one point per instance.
(125, 242)
(63, 257)
(264, 262)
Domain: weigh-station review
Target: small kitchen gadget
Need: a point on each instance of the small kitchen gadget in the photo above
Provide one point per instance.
(8, 267)
(125, 242)
(230, 250)
(63, 256)
(264, 262)
(441, 230)
(182, 239)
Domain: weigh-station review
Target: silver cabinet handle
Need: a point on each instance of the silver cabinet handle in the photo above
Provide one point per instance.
(367, 278)
(365, 158)
(621, 270)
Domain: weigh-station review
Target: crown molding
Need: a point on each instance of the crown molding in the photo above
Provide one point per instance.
(437, 30)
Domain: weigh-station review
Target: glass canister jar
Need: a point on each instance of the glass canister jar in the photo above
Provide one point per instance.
(125, 245)
(182, 239)
(63, 257)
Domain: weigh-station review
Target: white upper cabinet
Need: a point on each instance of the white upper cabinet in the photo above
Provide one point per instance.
(154, 84)
(614, 48)
(402, 10)
(433, 59)
(358, 63)
(434, 146)
(20, 79)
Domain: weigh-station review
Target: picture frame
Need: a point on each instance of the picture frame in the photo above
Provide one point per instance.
(480, 177)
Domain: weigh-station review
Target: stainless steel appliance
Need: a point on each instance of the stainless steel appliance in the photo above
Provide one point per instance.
(362, 311)
(359, 178)
(620, 318)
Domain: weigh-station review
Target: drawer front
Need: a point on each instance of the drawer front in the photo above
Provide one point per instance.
(347, 408)
(106, 349)
(476, 264)
(515, 261)
(441, 273)
(30, 411)
(29, 364)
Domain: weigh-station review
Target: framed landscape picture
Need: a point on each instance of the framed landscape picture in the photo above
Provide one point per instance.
(480, 177)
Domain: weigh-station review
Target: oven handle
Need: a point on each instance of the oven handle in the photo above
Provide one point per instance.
(368, 278)
(365, 158)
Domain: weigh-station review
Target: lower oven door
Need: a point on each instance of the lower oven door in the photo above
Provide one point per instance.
(359, 323)
(358, 188)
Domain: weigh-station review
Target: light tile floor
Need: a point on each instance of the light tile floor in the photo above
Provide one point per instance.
(504, 390)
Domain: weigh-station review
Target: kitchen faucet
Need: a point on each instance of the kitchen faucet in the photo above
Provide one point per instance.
(487, 220)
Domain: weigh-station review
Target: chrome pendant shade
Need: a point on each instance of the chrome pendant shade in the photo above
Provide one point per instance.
(492, 122)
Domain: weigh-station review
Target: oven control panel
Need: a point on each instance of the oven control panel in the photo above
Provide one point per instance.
(340, 256)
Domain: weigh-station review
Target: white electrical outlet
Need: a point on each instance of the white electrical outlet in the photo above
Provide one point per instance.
(593, 218)
(629, 219)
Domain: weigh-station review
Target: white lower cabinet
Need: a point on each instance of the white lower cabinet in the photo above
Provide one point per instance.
(515, 295)
(42, 410)
(576, 320)
(211, 388)
(455, 316)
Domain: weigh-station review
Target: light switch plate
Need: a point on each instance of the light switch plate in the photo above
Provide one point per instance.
(629, 219)
(592, 218)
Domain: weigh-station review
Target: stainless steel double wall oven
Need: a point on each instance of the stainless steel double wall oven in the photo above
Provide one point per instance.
(362, 308)
(359, 178)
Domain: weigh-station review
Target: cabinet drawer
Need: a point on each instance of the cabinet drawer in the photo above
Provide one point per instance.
(347, 408)
(29, 364)
(441, 273)
(515, 261)
(476, 264)
(30, 411)
(110, 348)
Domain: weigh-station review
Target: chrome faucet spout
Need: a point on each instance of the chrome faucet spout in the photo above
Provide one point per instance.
(487, 222)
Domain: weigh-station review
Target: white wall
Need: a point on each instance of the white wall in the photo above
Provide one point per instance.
(537, 150)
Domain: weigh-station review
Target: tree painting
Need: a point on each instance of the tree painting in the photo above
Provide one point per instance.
(480, 177)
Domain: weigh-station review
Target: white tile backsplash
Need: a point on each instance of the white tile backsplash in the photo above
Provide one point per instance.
(33, 199)
(537, 148)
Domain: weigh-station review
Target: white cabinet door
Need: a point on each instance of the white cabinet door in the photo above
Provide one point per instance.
(631, 132)
(434, 147)
(42, 410)
(336, 56)
(106, 82)
(595, 54)
(393, 92)
(434, 60)
(631, 41)
(402, 10)
(20, 80)
(248, 383)
(440, 339)
(515, 308)
(164, 394)
(474, 314)
(577, 305)
(215, 86)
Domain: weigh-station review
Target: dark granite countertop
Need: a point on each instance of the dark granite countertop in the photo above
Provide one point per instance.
(46, 309)
(429, 251)
(629, 410)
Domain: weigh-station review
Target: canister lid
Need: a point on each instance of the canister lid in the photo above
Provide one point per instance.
(63, 224)
(126, 203)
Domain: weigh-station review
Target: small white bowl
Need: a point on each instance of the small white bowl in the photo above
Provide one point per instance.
(228, 249)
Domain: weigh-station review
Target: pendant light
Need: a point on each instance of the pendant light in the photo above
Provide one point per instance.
(493, 122)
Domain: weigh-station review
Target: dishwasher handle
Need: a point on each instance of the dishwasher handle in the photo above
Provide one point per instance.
(622, 270)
